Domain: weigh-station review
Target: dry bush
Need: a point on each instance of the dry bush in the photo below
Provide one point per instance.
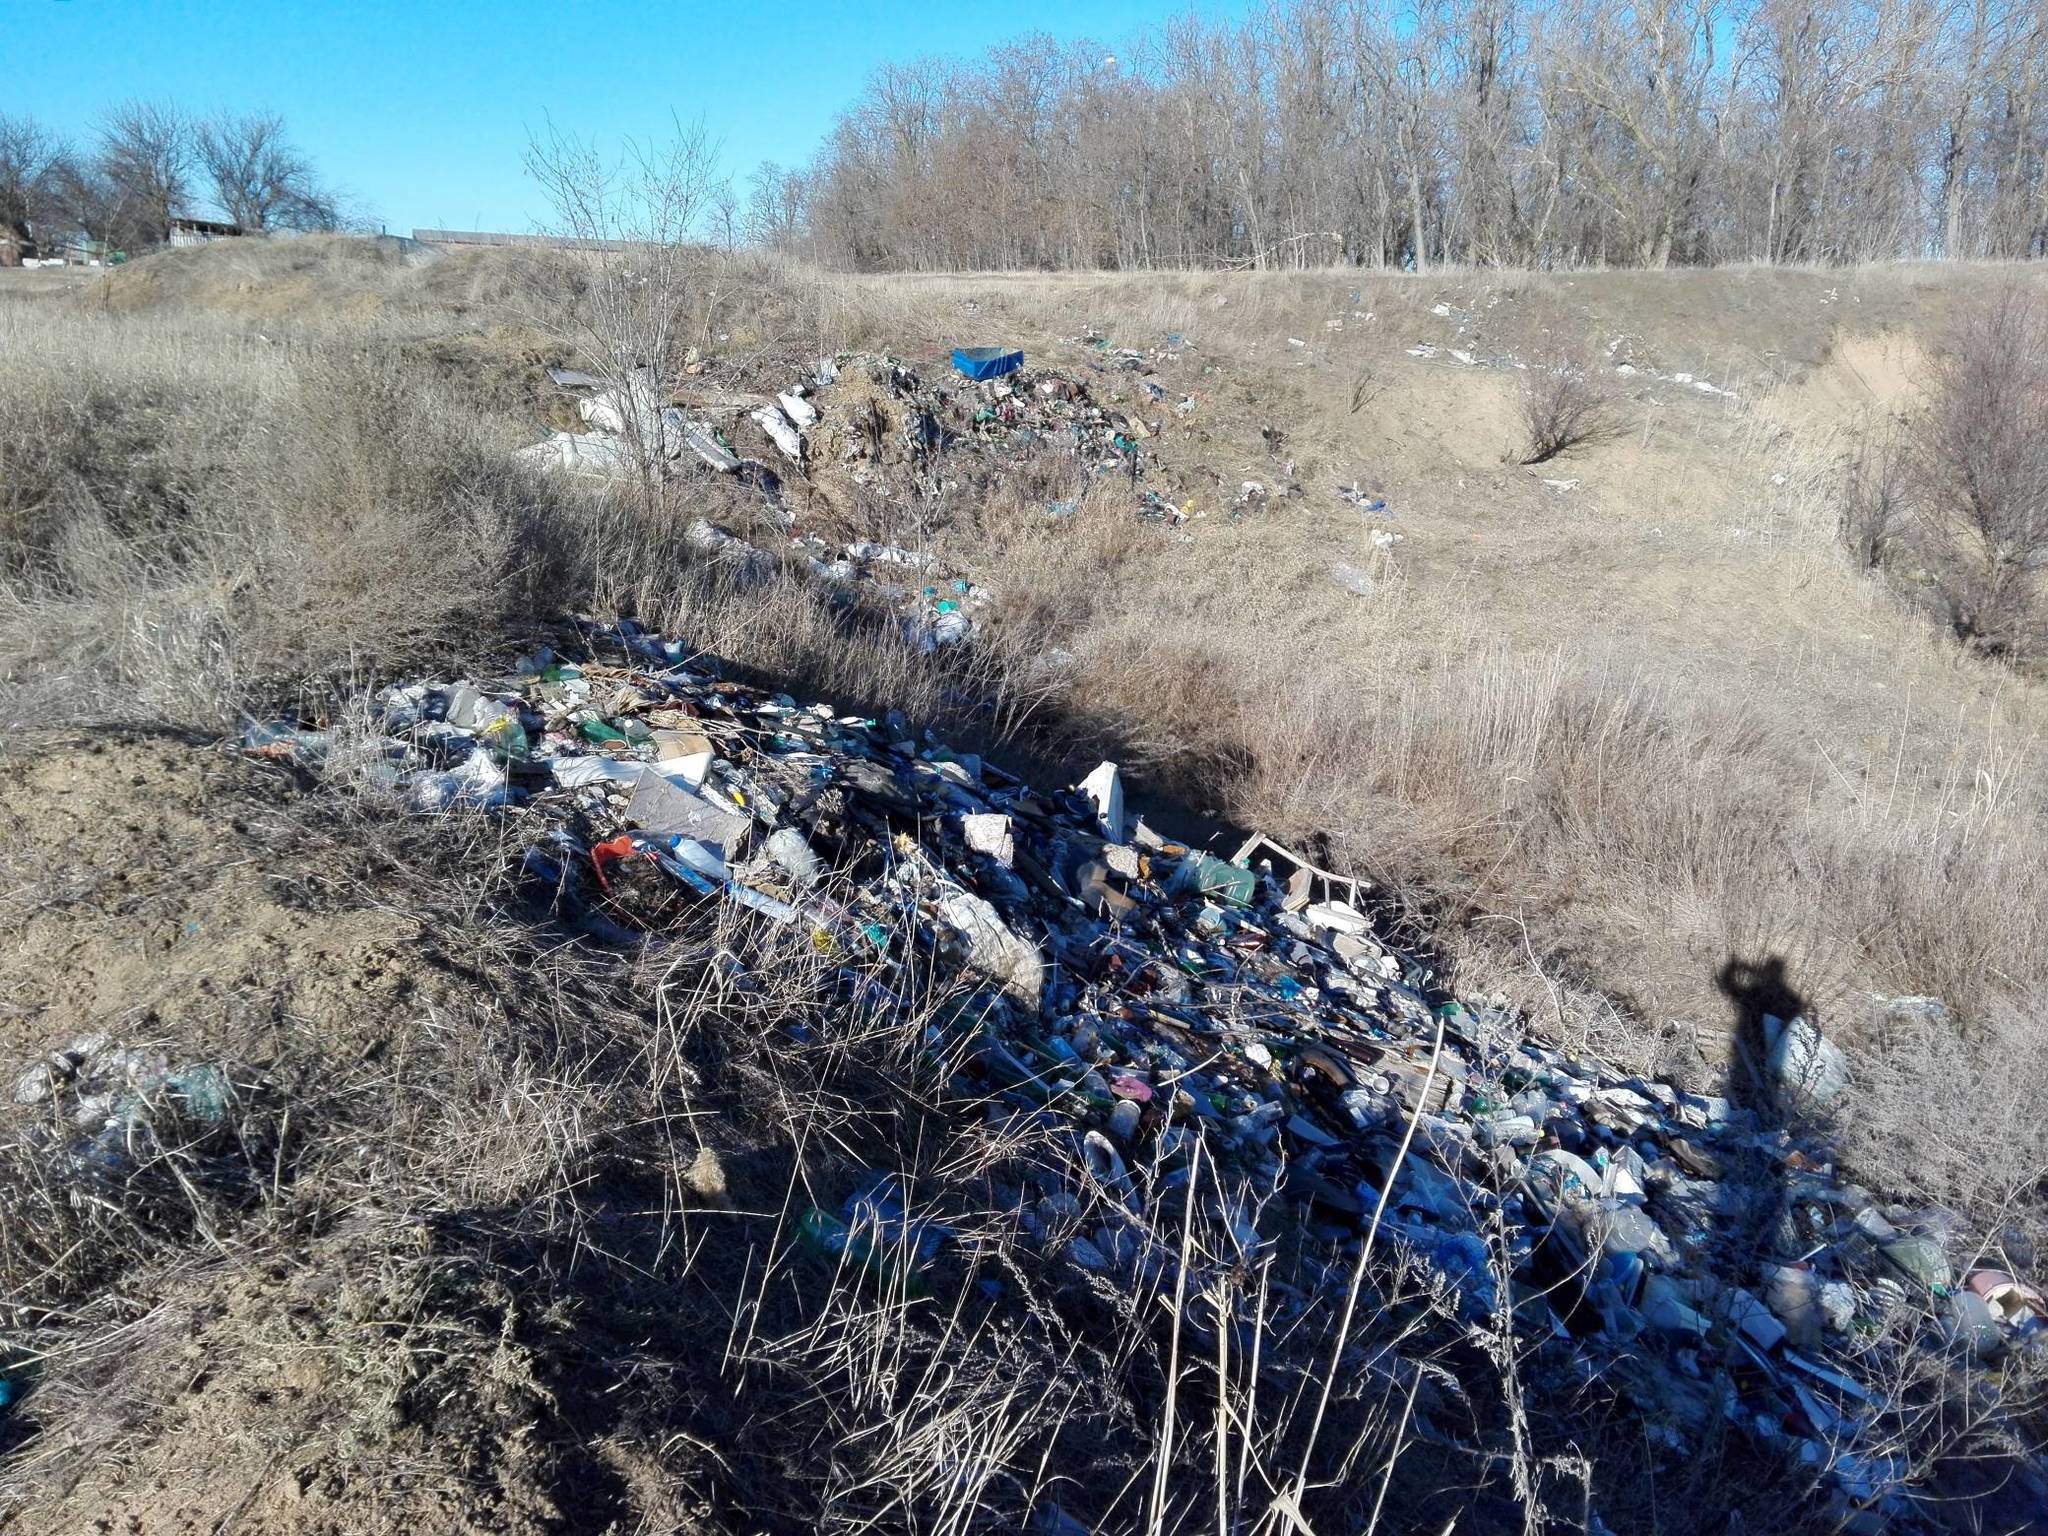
(1980, 460)
(1875, 497)
(1564, 405)
(1953, 1119)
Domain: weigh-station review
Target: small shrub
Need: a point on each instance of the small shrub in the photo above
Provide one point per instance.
(1564, 406)
(1874, 500)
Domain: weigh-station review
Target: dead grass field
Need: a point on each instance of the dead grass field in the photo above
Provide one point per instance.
(1600, 738)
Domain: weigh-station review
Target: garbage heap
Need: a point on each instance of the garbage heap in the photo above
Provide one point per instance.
(866, 412)
(1155, 1001)
(862, 414)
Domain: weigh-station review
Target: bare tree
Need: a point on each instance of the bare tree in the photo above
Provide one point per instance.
(259, 178)
(1412, 132)
(144, 172)
(35, 167)
(633, 214)
(1874, 497)
(1981, 472)
(726, 218)
(775, 199)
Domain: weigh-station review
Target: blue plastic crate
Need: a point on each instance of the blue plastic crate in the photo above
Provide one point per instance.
(987, 362)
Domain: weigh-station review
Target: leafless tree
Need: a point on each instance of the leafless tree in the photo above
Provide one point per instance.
(775, 206)
(1874, 499)
(1545, 133)
(143, 171)
(35, 167)
(1981, 474)
(259, 178)
(634, 213)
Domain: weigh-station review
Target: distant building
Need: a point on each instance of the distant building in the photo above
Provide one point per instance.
(79, 250)
(202, 231)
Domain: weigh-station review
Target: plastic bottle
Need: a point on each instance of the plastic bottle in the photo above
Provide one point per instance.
(502, 733)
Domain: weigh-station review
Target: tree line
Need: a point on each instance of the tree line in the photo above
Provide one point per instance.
(146, 163)
(1407, 133)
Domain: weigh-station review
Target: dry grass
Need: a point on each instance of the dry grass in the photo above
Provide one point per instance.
(516, 1197)
(196, 518)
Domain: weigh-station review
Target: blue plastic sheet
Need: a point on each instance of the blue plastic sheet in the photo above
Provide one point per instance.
(987, 362)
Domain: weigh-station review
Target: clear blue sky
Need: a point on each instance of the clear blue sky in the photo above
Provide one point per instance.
(420, 111)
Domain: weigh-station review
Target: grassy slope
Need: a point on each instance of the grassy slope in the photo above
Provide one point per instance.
(1652, 718)
(1619, 733)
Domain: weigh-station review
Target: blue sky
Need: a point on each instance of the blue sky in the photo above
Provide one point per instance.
(421, 111)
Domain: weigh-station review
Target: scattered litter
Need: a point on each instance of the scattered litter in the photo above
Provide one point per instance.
(1352, 579)
(1149, 996)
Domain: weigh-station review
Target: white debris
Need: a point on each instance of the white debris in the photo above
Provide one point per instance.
(782, 432)
(991, 834)
(1353, 580)
(1105, 791)
(886, 554)
(593, 453)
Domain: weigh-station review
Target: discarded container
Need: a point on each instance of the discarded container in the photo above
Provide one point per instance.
(987, 362)
(1105, 791)
(1921, 1261)
(1353, 580)
(1804, 1066)
(283, 740)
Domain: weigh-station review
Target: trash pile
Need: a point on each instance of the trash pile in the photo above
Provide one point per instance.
(876, 412)
(628, 418)
(859, 412)
(1157, 1003)
(859, 419)
(109, 1111)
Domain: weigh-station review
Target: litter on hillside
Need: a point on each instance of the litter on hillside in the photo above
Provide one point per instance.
(1165, 1004)
(857, 421)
